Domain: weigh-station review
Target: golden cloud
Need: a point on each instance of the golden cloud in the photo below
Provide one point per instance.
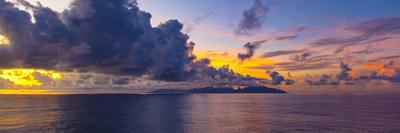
(26, 77)
(246, 67)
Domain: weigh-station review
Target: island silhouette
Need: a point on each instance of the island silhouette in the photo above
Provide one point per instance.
(256, 89)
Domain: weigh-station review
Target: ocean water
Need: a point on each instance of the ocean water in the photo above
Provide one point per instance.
(199, 113)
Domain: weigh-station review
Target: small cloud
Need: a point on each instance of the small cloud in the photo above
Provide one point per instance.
(288, 37)
(120, 81)
(201, 18)
(253, 18)
(300, 29)
(251, 49)
(344, 72)
(277, 79)
(302, 57)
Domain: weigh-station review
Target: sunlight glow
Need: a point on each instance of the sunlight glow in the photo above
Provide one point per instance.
(4, 40)
(22, 91)
(247, 67)
(26, 77)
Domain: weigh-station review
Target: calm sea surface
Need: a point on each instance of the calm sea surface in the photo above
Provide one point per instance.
(199, 113)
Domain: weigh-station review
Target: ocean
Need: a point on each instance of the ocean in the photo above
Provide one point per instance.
(199, 113)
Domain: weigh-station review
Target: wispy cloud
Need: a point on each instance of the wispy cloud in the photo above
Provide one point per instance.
(281, 53)
(367, 32)
(287, 37)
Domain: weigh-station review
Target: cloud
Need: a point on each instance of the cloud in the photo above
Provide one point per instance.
(277, 79)
(344, 72)
(302, 57)
(343, 77)
(112, 37)
(381, 71)
(289, 66)
(365, 32)
(300, 29)
(281, 53)
(305, 62)
(374, 71)
(323, 80)
(377, 27)
(338, 41)
(252, 19)
(386, 58)
(201, 18)
(251, 49)
(288, 37)
(189, 27)
(120, 81)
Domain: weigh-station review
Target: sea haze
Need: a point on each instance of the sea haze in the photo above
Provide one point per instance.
(199, 113)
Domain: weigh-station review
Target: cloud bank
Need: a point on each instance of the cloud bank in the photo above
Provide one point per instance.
(111, 37)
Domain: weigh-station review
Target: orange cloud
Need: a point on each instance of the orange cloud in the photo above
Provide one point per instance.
(246, 67)
(354, 74)
(390, 72)
(380, 67)
(374, 65)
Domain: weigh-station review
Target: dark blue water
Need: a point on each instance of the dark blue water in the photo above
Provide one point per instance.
(201, 113)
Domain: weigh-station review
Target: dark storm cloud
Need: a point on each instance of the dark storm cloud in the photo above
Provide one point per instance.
(112, 37)
(281, 53)
(250, 49)
(253, 18)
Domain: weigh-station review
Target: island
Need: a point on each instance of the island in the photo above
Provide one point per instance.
(257, 89)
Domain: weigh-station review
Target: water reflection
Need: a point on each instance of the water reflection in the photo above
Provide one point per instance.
(121, 113)
(28, 113)
(199, 113)
(227, 113)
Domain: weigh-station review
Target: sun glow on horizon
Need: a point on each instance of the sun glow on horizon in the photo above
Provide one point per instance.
(247, 67)
(22, 91)
(27, 77)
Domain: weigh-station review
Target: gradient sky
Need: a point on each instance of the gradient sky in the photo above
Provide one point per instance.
(303, 39)
(321, 19)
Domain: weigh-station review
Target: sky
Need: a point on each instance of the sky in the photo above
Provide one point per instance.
(291, 44)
